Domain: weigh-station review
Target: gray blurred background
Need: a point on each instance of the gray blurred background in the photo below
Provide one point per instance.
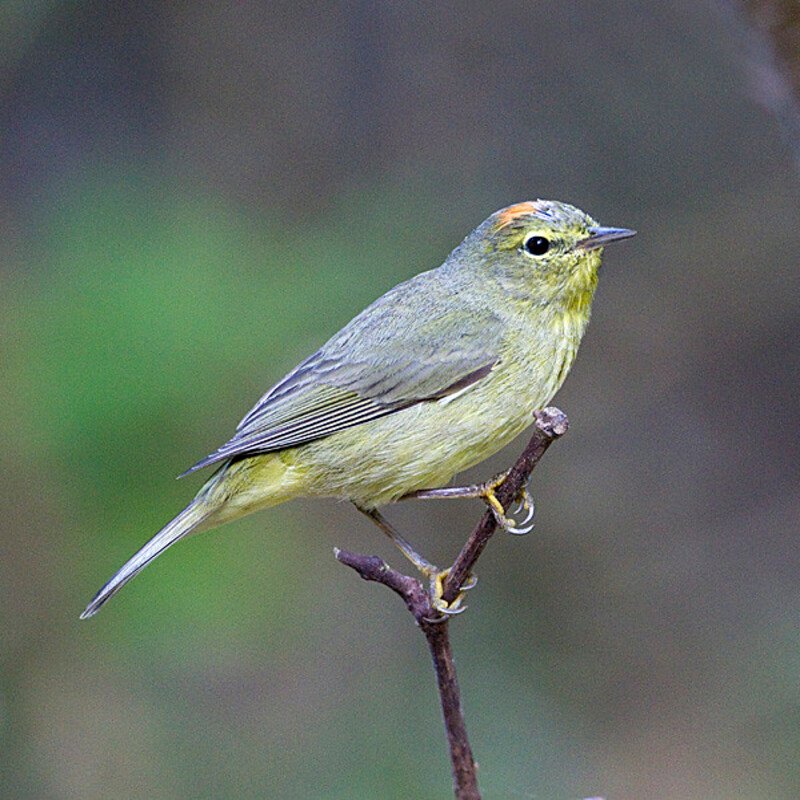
(192, 199)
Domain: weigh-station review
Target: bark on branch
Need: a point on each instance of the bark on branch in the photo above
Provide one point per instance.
(549, 425)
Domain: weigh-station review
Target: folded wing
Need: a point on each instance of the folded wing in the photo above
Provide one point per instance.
(392, 356)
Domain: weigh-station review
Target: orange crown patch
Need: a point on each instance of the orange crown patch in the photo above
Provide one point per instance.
(508, 216)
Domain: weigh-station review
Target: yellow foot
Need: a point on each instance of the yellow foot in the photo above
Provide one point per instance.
(446, 610)
(487, 493)
(524, 503)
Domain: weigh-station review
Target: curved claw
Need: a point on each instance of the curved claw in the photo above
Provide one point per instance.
(529, 515)
(510, 526)
(515, 531)
(452, 611)
(445, 611)
(521, 528)
(471, 583)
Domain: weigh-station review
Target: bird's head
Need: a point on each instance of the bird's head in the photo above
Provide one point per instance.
(543, 249)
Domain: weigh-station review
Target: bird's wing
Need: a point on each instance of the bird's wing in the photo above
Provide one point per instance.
(389, 358)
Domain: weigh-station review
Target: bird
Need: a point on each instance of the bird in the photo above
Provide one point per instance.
(435, 376)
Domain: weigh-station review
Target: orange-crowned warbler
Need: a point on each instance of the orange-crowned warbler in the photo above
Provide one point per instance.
(433, 377)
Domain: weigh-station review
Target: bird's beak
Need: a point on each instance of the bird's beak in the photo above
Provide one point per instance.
(600, 237)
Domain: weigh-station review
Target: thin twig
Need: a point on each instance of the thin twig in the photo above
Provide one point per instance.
(418, 602)
(550, 425)
(374, 568)
(462, 762)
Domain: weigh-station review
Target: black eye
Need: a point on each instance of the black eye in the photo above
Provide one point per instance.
(537, 245)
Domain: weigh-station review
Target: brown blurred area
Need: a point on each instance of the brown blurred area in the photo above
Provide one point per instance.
(193, 198)
(779, 22)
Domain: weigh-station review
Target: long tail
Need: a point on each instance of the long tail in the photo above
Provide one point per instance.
(188, 521)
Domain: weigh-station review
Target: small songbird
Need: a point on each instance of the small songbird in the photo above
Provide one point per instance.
(436, 375)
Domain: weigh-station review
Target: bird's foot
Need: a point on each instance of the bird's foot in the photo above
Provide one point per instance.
(444, 609)
(524, 503)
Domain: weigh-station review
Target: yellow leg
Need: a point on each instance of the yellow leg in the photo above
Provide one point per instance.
(486, 492)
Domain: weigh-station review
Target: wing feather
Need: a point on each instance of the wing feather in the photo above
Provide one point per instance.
(392, 356)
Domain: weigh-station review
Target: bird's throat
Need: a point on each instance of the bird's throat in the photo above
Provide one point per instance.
(577, 296)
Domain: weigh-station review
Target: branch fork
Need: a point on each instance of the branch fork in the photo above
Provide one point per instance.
(550, 424)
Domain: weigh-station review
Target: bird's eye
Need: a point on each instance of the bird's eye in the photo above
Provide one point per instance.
(536, 245)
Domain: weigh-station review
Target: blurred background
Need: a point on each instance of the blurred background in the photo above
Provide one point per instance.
(194, 197)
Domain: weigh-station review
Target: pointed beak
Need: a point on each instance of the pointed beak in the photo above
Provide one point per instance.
(600, 237)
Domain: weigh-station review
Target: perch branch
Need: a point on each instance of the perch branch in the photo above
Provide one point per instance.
(550, 424)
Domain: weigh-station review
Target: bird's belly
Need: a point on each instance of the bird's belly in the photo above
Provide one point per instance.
(422, 446)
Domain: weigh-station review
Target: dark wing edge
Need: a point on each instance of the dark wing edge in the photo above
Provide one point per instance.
(319, 423)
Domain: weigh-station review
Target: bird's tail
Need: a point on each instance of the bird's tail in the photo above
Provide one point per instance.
(190, 520)
(237, 489)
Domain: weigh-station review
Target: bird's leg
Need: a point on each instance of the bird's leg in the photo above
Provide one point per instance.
(404, 546)
(486, 492)
(435, 576)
